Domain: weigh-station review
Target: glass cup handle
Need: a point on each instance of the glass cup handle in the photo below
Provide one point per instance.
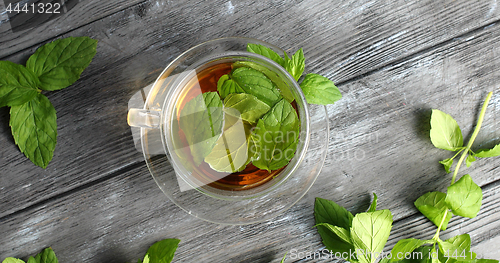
(149, 119)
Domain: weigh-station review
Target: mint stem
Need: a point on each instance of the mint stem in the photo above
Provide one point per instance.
(474, 135)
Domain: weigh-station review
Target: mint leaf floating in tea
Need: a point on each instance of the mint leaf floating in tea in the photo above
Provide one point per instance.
(295, 65)
(60, 63)
(266, 52)
(226, 86)
(18, 85)
(230, 153)
(319, 90)
(433, 206)
(34, 128)
(246, 106)
(277, 80)
(256, 83)
(445, 132)
(201, 120)
(276, 137)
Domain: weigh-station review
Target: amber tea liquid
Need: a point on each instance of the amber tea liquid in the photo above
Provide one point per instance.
(206, 81)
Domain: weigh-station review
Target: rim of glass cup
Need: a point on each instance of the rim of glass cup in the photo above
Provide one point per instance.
(168, 109)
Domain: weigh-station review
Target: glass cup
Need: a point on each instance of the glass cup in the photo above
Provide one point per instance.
(183, 182)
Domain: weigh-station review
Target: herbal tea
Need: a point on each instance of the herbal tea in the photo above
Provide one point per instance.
(235, 126)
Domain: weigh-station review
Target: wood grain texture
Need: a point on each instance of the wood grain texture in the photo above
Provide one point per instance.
(134, 48)
(97, 203)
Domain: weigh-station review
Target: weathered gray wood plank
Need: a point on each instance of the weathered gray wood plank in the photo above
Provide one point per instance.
(85, 12)
(94, 139)
(116, 221)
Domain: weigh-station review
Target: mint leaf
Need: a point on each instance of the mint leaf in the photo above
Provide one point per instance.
(230, 153)
(201, 120)
(464, 197)
(34, 128)
(162, 251)
(146, 259)
(406, 246)
(369, 232)
(18, 85)
(276, 137)
(46, 256)
(447, 163)
(295, 65)
(248, 107)
(326, 211)
(470, 159)
(483, 153)
(457, 248)
(226, 86)
(12, 260)
(266, 52)
(373, 206)
(59, 64)
(433, 206)
(277, 80)
(256, 83)
(319, 90)
(445, 132)
(31, 260)
(343, 233)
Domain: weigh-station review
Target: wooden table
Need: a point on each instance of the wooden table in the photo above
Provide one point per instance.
(394, 61)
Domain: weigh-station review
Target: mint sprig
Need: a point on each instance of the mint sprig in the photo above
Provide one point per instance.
(463, 198)
(54, 66)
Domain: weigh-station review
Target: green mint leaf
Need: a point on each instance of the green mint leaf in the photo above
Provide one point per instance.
(162, 251)
(326, 211)
(266, 52)
(146, 259)
(457, 248)
(18, 85)
(470, 159)
(319, 90)
(226, 86)
(419, 255)
(46, 256)
(230, 153)
(284, 257)
(277, 80)
(433, 206)
(201, 120)
(248, 107)
(34, 128)
(12, 260)
(447, 163)
(31, 260)
(406, 246)
(445, 132)
(276, 137)
(59, 64)
(343, 233)
(373, 206)
(464, 197)
(256, 83)
(295, 65)
(484, 153)
(369, 232)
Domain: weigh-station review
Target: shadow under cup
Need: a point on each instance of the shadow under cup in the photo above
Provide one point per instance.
(185, 87)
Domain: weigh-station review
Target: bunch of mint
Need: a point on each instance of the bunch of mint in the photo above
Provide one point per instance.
(160, 252)
(54, 66)
(367, 233)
